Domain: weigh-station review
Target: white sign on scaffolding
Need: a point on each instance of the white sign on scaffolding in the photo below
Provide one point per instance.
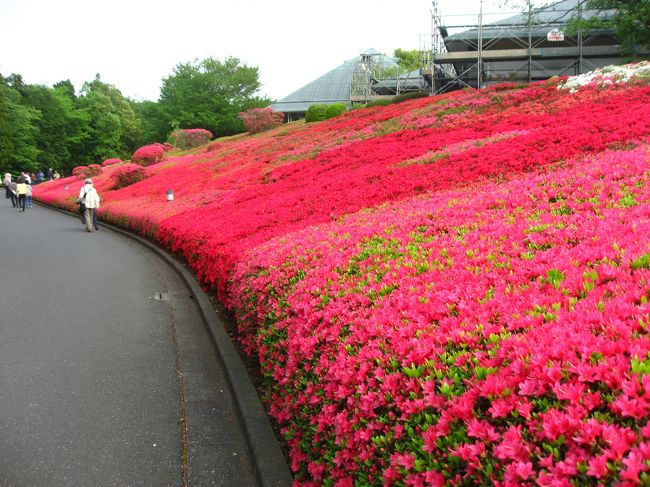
(555, 35)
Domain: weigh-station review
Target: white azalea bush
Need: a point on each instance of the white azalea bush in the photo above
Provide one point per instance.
(608, 75)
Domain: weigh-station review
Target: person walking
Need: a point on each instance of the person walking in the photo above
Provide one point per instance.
(11, 186)
(6, 180)
(21, 191)
(28, 202)
(90, 200)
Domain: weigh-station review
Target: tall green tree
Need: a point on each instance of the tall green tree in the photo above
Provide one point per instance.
(18, 146)
(6, 144)
(77, 125)
(113, 129)
(210, 94)
(154, 124)
(59, 126)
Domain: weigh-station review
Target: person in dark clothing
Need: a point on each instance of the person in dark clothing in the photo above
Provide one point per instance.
(11, 190)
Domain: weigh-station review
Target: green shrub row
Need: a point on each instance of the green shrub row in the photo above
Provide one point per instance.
(320, 111)
(382, 102)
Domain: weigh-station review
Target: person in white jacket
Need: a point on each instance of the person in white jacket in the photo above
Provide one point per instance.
(90, 198)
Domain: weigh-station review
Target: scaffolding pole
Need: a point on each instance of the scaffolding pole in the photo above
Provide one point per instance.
(479, 66)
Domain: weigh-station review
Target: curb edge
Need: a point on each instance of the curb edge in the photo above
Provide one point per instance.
(271, 469)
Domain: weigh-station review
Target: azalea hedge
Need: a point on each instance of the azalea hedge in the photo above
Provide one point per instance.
(82, 172)
(453, 289)
(498, 335)
(188, 138)
(148, 154)
(109, 162)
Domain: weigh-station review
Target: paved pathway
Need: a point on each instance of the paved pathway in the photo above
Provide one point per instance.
(102, 384)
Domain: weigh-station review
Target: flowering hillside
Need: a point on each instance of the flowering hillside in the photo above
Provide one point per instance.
(451, 289)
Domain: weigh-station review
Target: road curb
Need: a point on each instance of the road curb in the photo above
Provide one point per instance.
(271, 469)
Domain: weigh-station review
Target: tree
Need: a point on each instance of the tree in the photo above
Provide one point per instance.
(210, 94)
(6, 144)
(409, 60)
(153, 123)
(77, 125)
(59, 126)
(18, 149)
(113, 130)
(628, 18)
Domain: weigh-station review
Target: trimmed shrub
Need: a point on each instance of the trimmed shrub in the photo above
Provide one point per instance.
(382, 102)
(93, 170)
(410, 96)
(83, 172)
(78, 172)
(148, 154)
(189, 138)
(110, 162)
(212, 146)
(335, 109)
(260, 119)
(316, 113)
(128, 174)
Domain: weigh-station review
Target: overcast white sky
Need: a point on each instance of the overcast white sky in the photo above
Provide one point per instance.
(133, 44)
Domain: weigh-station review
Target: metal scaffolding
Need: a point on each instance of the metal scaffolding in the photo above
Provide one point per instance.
(377, 76)
(528, 46)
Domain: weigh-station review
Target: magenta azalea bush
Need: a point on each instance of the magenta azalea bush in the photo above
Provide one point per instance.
(452, 290)
(78, 172)
(128, 174)
(110, 162)
(89, 171)
(148, 155)
(189, 138)
(257, 120)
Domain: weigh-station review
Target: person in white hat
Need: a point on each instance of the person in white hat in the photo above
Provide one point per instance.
(89, 202)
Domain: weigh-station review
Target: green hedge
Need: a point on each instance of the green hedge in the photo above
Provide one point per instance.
(410, 96)
(320, 112)
(382, 102)
(336, 109)
(316, 113)
(389, 101)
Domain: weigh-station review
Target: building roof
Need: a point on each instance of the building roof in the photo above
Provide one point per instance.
(332, 87)
(544, 19)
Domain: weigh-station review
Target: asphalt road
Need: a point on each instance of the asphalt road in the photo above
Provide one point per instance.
(107, 375)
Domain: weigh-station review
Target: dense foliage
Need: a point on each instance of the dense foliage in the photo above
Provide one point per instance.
(449, 290)
(43, 127)
(210, 94)
(629, 19)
